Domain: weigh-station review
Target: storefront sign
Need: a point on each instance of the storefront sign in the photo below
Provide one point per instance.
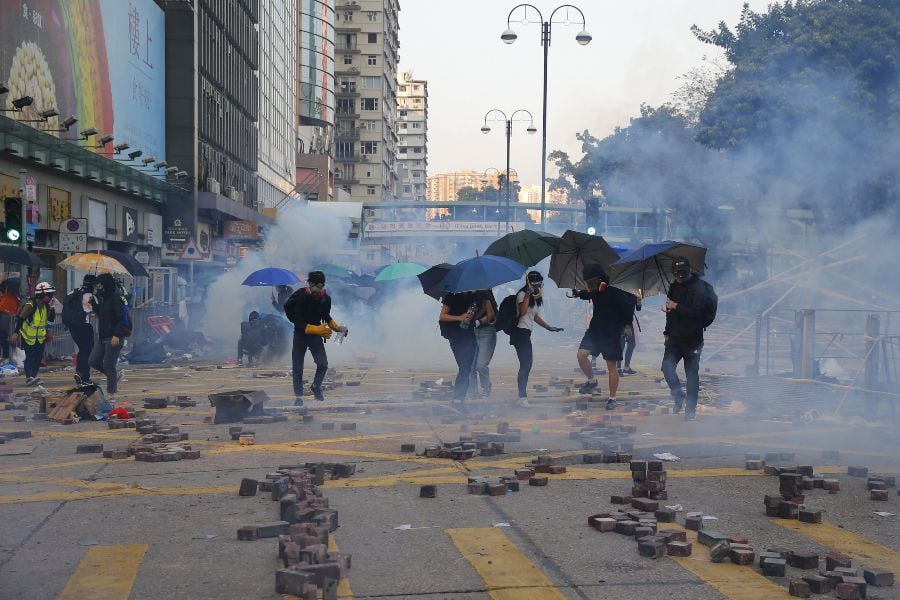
(129, 225)
(176, 232)
(241, 230)
(60, 205)
(142, 257)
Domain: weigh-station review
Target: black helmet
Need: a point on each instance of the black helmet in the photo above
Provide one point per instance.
(254, 315)
(681, 265)
(315, 277)
(594, 271)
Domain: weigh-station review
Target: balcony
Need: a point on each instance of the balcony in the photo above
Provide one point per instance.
(348, 114)
(345, 179)
(344, 158)
(346, 134)
(348, 5)
(347, 48)
(350, 71)
(347, 90)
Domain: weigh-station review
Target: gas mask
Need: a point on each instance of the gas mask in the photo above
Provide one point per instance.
(681, 276)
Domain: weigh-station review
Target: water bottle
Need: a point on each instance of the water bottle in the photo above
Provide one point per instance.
(470, 315)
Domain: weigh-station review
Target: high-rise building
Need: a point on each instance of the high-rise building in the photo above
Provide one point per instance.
(412, 128)
(277, 101)
(444, 187)
(367, 51)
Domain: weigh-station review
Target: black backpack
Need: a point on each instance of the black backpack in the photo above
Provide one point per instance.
(710, 303)
(73, 311)
(508, 315)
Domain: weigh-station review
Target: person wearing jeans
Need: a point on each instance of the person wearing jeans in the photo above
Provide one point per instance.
(110, 310)
(690, 354)
(83, 332)
(457, 324)
(485, 344)
(529, 301)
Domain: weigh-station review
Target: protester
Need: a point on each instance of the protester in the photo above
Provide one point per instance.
(629, 339)
(252, 340)
(31, 327)
(613, 310)
(456, 321)
(485, 343)
(280, 295)
(76, 316)
(685, 308)
(109, 306)
(529, 301)
(309, 309)
(9, 308)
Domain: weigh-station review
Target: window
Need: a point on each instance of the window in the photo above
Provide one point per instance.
(417, 125)
(403, 89)
(402, 125)
(417, 148)
(407, 189)
(369, 104)
(373, 38)
(402, 149)
(370, 190)
(417, 173)
(402, 113)
(371, 125)
(372, 61)
(345, 106)
(368, 148)
(348, 59)
(348, 84)
(344, 149)
(348, 16)
(373, 16)
(371, 82)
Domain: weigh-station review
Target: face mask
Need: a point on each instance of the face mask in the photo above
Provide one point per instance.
(681, 276)
(317, 288)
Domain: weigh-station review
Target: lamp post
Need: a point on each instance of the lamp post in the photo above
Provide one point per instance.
(492, 115)
(509, 36)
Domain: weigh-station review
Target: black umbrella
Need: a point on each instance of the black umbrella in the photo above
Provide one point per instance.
(431, 278)
(575, 251)
(18, 256)
(130, 263)
(527, 247)
(649, 268)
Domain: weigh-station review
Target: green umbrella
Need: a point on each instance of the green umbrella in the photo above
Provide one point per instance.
(526, 247)
(332, 270)
(404, 270)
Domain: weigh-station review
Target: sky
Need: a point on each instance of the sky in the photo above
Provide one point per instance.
(638, 51)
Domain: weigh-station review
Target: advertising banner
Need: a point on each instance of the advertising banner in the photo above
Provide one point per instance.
(240, 230)
(101, 61)
(408, 228)
(129, 225)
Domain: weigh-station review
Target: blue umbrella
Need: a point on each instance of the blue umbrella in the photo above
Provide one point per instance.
(271, 276)
(480, 273)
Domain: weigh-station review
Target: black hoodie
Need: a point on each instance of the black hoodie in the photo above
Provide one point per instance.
(110, 308)
(685, 323)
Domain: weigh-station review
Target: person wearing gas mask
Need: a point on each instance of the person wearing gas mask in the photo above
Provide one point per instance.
(529, 300)
(32, 320)
(111, 331)
(612, 311)
(309, 309)
(252, 340)
(684, 309)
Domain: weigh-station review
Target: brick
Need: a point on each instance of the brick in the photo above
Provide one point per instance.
(804, 560)
(411, 448)
(654, 465)
(348, 426)
(523, 474)
(806, 470)
(743, 557)
(89, 449)
(320, 573)
(190, 454)
(626, 527)
(665, 515)
(799, 588)
(642, 531)
(644, 504)
(590, 459)
(327, 425)
(719, 551)
(847, 591)
(428, 491)
(764, 556)
(651, 549)
(272, 529)
(538, 481)
(672, 535)
(880, 495)
(638, 465)
(878, 577)
(496, 489)
(620, 499)
(858, 471)
(708, 537)
(875, 483)
(248, 487)
(831, 484)
(810, 516)
(477, 488)
(837, 559)
(753, 465)
(292, 581)
(247, 533)
(818, 584)
(679, 548)
(774, 567)
(788, 510)
(833, 577)
(602, 524)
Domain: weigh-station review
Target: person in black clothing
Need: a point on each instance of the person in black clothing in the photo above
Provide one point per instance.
(684, 336)
(252, 340)
(280, 295)
(83, 332)
(613, 310)
(457, 326)
(110, 309)
(309, 309)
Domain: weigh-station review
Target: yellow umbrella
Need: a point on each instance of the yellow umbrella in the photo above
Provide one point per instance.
(94, 262)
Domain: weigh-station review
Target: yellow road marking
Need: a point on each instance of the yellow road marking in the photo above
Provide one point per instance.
(507, 573)
(857, 547)
(343, 590)
(105, 573)
(115, 491)
(732, 581)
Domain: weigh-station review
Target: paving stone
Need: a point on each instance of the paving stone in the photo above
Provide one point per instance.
(847, 591)
(428, 491)
(652, 549)
(818, 584)
(878, 577)
(719, 551)
(837, 559)
(810, 516)
(602, 523)
(858, 471)
(708, 537)
(743, 557)
(804, 560)
(799, 588)
(774, 567)
(248, 487)
(679, 548)
(538, 481)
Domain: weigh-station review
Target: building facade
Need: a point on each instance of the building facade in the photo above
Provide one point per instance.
(277, 123)
(366, 142)
(412, 129)
(443, 187)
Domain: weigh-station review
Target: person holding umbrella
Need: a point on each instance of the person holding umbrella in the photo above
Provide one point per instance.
(485, 343)
(457, 320)
(31, 327)
(112, 327)
(529, 300)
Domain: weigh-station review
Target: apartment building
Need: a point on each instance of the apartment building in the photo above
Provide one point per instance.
(412, 128)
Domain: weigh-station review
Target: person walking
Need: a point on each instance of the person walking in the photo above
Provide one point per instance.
(612, 312)
(529, 300)
(629, 338)
(76, 316)
(109, 306)
(32, 320)
(456, 321)
(485, 344)
(686, 314)
(309, 309)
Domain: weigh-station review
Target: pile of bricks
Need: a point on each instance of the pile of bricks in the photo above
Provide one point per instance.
(642, 526)
(878, 486)
(475, 443)
(489, 486)
(430, 390)
(161, 452)
(841, 577)
(792, 483)
(609, 435)
(157, 402)
(648, 485)
(306, 522)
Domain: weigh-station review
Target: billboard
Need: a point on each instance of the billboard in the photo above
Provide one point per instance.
(102, 61)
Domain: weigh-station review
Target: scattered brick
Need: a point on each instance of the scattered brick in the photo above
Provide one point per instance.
(348, 426)
(774, 567)
(428, 491)
(708, 537)
(881, 495)
(837, 559)
(753, 465)
(665, 515)
(818, 584)
(247, 533)
(878, 577)
(847, 591)
(719, 551)
(89, 449)
(652, 549)
(858, 471)
(810, 516)
(538, 481)
(743, 557)
(602, 523)
(407, 448)
(799, 588)
(644, 504)
(679, 548)
(248, 487)
(804, 560)
(693, 521)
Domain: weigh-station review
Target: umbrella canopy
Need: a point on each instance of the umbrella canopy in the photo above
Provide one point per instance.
(19, 256)
(404, 270)
(649, 268)
(480, 273)
(271, 276)
(575, 251)
(332, 270)
(94, 262)
(431, 279)
(128, 261)
(527, 247)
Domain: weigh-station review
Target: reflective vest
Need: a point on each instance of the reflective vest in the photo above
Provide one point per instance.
(34, 328)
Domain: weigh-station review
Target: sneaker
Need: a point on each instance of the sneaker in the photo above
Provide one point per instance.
(120, 376)
(620, 372)
(317, 392)
(523, 402)
(240, 363)
(611, 404)
(485, 394)
(111, 398)
(679, 403)
(298, 401)
(629, 371)
(33, 381)
(689, 416)
(78, 380)
(588, 387)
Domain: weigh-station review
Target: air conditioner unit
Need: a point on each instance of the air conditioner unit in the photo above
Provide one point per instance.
(213, 186)
(230, 192)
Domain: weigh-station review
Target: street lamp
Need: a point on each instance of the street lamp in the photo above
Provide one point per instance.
(583, 38)
(493, 115)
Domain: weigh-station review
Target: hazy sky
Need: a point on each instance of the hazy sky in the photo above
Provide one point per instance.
(639, 49)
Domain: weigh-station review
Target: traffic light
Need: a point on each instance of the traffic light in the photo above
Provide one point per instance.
(12, 210)
(592, 215)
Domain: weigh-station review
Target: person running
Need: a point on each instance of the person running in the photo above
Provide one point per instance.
(684, 309)
(529, 301)
(309, 309)
(485, 343)
(456, 321)
(109, 307)
(612, 312)
(76, 316)
(32, 320)
(629, 338)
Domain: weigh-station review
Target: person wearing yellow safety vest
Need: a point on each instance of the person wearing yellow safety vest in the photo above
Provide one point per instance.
(31, 327)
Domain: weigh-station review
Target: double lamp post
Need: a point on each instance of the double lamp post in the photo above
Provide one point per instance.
(497, 115)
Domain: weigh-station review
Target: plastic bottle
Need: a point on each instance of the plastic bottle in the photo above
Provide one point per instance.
(470, 316)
